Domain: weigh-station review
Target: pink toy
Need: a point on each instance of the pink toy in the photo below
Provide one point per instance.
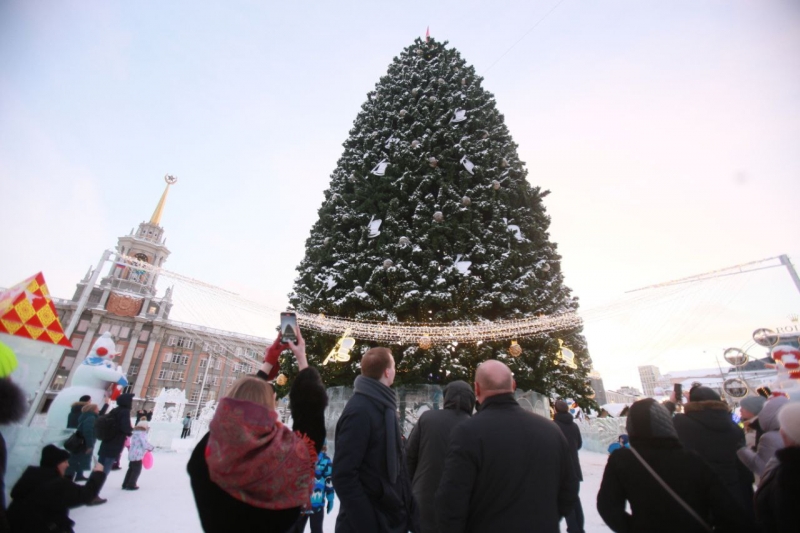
(147, 460)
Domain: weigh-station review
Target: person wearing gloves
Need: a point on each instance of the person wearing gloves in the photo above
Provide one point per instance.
(111, 449)
(250, 473)
(138, 448)
(42, 497)
(779, 490)
(770, 441)
(627, 481)
(750, 407)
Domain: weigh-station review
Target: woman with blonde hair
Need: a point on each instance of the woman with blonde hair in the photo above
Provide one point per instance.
(250, 472)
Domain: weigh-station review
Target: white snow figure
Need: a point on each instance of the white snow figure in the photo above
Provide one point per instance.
(92, 377)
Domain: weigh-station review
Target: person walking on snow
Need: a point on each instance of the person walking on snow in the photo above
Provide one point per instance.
(82, 460)
(138, 448)
(187, 425)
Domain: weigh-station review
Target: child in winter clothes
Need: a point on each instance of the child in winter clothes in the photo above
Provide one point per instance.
(139, 446)
(323, 490)
(622, 442)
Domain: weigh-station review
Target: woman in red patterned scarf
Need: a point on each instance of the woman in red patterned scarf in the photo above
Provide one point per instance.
(250, 472)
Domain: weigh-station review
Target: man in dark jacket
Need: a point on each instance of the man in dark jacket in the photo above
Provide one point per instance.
(370, 472)
(13, 406)
(111, 449)
(707, 428)
(427, 447)
(507, 469)
(42, 497)
(572, 433)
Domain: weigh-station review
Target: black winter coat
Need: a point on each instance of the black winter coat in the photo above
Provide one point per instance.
(83, 461)
(779, 493)
(368, 502)
(566, 423)
(75, 414)
(3, 458)
(506, 470)
(707, 428)
(427, 447)
(652, 508)
(42, 498)
(122, 414)
(221, 512)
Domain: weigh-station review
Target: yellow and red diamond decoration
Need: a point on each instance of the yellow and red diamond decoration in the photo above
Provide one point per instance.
(26, 310)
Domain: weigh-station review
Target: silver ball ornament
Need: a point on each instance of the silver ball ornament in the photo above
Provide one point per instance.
(546, 267)
(438, 216)
(495, 185)
(466, 201)
(415, 144)
(441, 81)
(388, 263)
(404, 241)
(432, 161)
(327, 240)
(414, 91)
(358, 289)
(403, 112)
(503, 163)
(433, 98)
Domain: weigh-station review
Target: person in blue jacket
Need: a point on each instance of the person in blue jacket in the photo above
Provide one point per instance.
(622, 442)
(323, 491)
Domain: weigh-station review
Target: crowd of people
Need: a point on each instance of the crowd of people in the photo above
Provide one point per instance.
(482, 463)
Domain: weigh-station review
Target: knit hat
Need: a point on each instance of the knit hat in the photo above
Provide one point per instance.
(789, 418)
(754, 404)
(52, 456)
(649, 419)
(561, 406)
(85, 398)
(702, 394)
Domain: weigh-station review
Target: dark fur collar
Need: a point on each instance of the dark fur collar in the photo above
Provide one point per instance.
(706, 405)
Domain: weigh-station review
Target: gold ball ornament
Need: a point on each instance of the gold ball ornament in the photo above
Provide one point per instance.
(425, 342)
(281, 380)
(515, 350)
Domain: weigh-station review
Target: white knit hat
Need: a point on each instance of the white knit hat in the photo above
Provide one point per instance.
(789, 419)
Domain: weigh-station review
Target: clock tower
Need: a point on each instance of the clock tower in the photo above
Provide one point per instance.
(129, 289)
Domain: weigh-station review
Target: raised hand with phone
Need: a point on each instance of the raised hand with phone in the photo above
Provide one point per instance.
(291, 333)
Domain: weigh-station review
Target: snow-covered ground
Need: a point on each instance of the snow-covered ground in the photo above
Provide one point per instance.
(164, 501)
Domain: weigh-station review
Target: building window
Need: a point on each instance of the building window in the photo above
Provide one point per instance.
(133, 369)
(138, 353)
(103, 328)
(219, 364)
(183, 342)
(203, 363)
(168, 357)
(184, 360)
(212, 395)
(172, 340)
(83, 325)
(124, 332)
(115, 330)
(144, 336)
(178, 376)
(67, 362)
(76, 343)
(194, 396)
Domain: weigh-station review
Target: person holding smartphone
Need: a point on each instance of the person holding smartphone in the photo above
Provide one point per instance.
(250, 472)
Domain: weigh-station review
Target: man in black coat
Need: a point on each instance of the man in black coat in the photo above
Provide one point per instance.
(111, 449)
(42, 497)
(370, 472)
(572, 433)
(76, 410)
(707, 428)
(427, 447)
(507, 469)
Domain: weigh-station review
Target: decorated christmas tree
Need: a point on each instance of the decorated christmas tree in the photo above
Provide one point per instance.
(430, 218)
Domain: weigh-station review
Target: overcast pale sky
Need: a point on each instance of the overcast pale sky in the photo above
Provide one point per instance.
(666, 130)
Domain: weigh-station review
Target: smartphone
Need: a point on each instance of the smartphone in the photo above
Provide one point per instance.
(678, 393)
(289, 327)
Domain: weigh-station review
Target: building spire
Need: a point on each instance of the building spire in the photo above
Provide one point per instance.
(156, 218)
